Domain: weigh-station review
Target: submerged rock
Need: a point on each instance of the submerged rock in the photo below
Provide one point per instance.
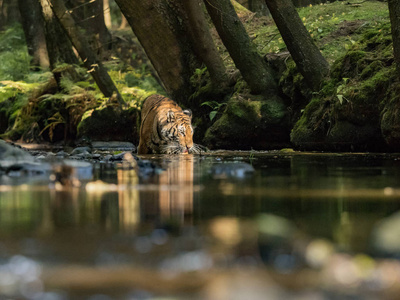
(148, 168)
(28, 169)
(385, 237)
(278, 243)
(229, 170)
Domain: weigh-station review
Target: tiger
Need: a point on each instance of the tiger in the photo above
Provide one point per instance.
(166, 128)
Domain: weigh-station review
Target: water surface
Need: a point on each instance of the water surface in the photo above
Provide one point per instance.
(217, 226)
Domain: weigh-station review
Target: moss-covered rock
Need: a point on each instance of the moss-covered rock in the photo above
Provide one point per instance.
(110, 123)
(346, 114)
(250, 124)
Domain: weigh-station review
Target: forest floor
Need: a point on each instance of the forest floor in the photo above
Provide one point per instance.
(33, 111)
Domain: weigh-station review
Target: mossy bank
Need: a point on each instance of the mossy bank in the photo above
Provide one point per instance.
(355, 109)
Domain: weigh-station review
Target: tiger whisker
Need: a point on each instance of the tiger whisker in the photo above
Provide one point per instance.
(197, 149)
(170, 149)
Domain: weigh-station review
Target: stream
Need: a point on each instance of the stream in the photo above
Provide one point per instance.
(222, 225)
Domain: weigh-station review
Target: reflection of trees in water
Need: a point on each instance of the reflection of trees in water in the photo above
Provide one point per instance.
(112, 207)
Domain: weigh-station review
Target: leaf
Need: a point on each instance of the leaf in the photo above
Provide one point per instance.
(213, 114)
(340, 97)
(211, 104)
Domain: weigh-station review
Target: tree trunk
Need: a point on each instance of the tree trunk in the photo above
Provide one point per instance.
(394, 12)
(309, 60)
(244, 54)
(32, 23)
(95, 67)
(59, 47)
(204, 44)
(89, 15)
(259, 7)
(162, 30)
(9, 13)
(107, 13)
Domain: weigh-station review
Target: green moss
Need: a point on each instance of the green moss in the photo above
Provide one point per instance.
(348, 65)
(371, 69)
(256, 123)
(347, 112)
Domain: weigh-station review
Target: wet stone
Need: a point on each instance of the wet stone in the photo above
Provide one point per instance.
(114, 146)
(62, 154)
(84, 155)
(80, 150)
(96, 156)
(118, 157)
(10, 155)
(107, 158)
(28, 169)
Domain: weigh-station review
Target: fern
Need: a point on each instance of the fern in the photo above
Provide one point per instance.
(56, 119)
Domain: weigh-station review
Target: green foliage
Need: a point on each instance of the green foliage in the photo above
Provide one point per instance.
(135, 85)
(53, 121)
(13, 96)
(340, 90)
(198, 77)
(335, 27)
(14, 56)
(215, 106)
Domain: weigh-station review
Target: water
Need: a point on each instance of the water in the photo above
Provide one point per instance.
(226, 225)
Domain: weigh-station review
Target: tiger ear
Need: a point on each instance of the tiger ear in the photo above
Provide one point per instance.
(170, 116)
(188, 112)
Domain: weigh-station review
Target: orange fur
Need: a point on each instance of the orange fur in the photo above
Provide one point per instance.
(165, 127)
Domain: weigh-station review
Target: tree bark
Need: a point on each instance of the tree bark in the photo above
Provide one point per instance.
(394, 12)
(89, 58)
(162, 31)
(204, 44)
(59, 47)
(309, 60)
(32, 23)
(244, 54)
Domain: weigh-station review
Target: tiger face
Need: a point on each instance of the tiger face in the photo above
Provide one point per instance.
(166, 128)
(177, 133)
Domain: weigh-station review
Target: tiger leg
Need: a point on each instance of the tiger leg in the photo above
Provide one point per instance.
(142, 148)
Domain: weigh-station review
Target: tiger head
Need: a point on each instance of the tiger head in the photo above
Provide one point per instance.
(177, 133)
